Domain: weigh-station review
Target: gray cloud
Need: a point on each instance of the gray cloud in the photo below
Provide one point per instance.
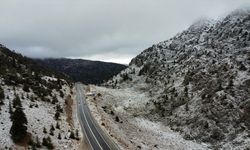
(99, 29)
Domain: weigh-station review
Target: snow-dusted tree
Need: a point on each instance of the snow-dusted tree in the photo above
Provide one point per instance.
(72, 135)
(26, 88)
(17, 102)
(18, 129)
(57, 125)
(57, 115)
(38, 143)
(44, 130)
(1, 96)
(59, 136)
(48, 143)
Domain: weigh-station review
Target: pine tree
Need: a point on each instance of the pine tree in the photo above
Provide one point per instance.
(17, 102)
(57, 125)
(45, 142)
(38, 143)
(26, 87)
(1, 96)
(57, 115)
(72, 135)
(48, 143)
(59, 136)
(54, 100)
(18, 129)
(10, 109)
(51, 130)
(44, 130)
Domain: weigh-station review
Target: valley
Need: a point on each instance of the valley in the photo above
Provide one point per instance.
(188, 92)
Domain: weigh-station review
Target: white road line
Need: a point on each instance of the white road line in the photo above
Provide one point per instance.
(89, 126)
(79, 117)
(86, 136)
(96, 127)
(99, 133)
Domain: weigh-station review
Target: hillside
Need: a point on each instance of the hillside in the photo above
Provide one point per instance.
(34, 105)
(85, 71)
(197, 82)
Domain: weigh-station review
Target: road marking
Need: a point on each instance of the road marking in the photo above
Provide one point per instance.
(84, 129)
(94, 123)
(89, 126)
(82, 126)
(99, 132)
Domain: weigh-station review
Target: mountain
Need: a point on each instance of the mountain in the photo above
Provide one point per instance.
(85, 71)
(34, 105)
(198, 81)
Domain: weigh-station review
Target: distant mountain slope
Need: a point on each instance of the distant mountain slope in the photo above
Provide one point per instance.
(88, 72)
(29, 90)
(198, 81)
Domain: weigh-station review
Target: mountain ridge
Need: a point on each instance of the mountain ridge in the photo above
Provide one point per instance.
(33, 104)
(198, 81)
(85, 71)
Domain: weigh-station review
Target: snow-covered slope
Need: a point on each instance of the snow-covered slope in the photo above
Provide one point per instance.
(45, 100)
(198, 81)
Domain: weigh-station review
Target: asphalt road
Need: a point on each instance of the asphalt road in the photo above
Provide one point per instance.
(95, 139)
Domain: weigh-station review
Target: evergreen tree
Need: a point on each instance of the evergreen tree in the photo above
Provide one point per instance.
(45, 142)
(57, 125)
(45, 130)
(61, 94)
(72, 135)
(48, 143)
(10, 110)
(18, 129)
(26, 87)
(17, 102)
(57, 115)
(51, 130)
(1, 96)
(38, 143)
(59, 108)
(59, 136)
(54, 100)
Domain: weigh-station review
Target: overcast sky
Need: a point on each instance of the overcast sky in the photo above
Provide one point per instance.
(107, 30)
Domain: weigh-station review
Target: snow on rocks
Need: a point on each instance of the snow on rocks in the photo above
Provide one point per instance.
(132, 132)
(40, 115)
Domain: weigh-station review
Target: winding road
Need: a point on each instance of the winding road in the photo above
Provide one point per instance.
(97, 140)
